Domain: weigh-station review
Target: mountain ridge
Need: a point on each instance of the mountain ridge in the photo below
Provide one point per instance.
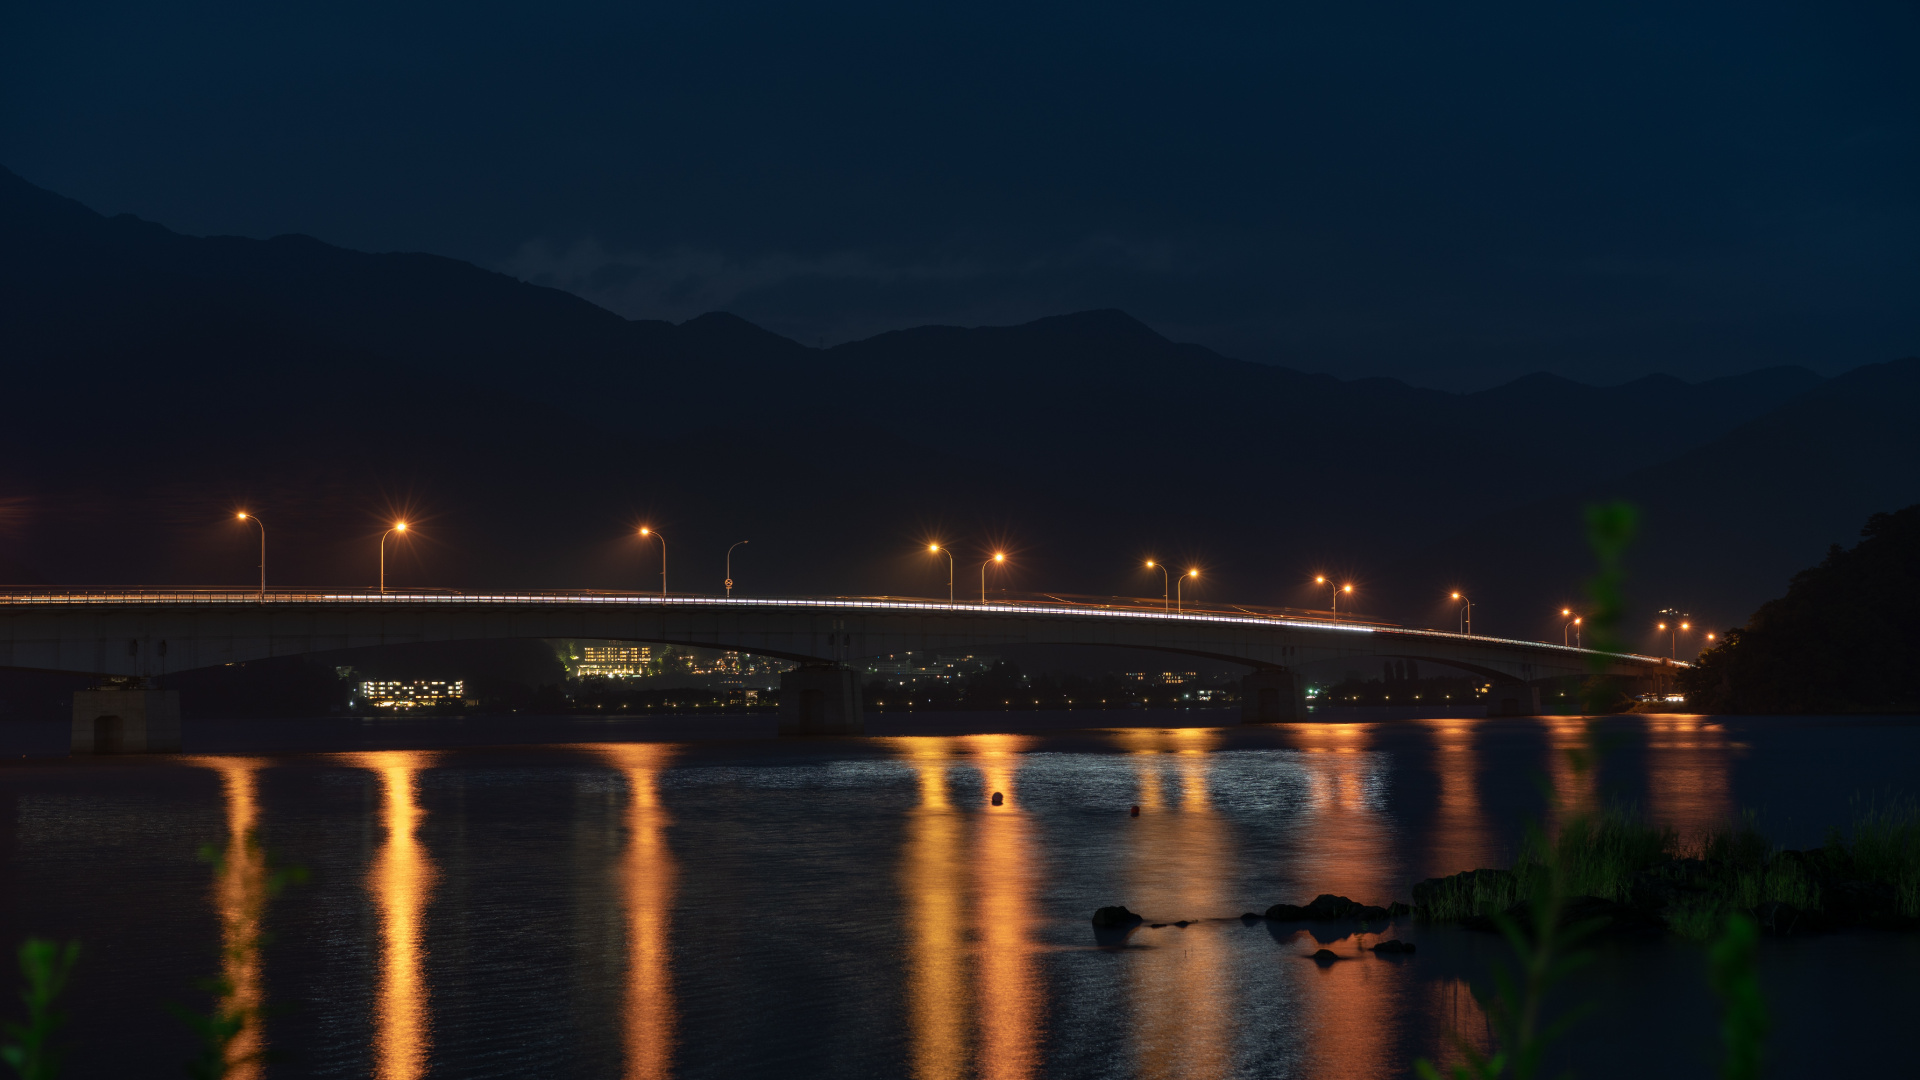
(387, 381)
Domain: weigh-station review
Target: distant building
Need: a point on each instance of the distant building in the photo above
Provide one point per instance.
(613, 661)
(1162, 678)
(411, 695)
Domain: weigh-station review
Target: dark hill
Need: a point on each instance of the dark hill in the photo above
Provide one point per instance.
(158, 379)
(1723, 524)
(1844, 638)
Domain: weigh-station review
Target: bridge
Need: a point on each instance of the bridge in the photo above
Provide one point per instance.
(131, 637)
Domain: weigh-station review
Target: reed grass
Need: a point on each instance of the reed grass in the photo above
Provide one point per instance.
(1885, 847)
(1601, 853)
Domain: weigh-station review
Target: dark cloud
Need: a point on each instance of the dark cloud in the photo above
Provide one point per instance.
(1453, 195)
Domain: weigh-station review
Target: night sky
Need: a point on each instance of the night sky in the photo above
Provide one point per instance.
(1449, 194)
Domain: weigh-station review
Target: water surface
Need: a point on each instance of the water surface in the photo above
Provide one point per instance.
(692, 897)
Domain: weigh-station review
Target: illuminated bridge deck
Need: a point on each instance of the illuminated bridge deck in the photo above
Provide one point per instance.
(150, 633)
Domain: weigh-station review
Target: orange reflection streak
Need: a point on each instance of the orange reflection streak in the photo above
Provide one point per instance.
(1180, 861)
(1010, 994)
(1351, 837)
(1460, 840)
(648, 873)
(401, 880)
(1574, 791)
(1688, 761)
(933, 878)
(240, 896)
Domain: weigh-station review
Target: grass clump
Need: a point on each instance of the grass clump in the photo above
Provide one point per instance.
(1600, 854)
(1885, 848)
(1476, 893)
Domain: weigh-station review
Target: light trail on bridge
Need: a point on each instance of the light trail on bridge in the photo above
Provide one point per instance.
(878, 604)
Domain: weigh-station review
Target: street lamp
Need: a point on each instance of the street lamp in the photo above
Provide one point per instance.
(645, 531)
(1321, 579)
(398, 527)
(936, 549)
(1166, 603)
(730, 567)
(1179, 607)
(998, 557)
(1673, 621)
(1466, 613)
(244, 516)
(1573, 626)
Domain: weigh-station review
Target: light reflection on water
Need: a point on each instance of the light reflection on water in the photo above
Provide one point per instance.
(1687, 772)
(1182, 990)
(401, 882)
(239, 896)
(972, 958)
(647, 881)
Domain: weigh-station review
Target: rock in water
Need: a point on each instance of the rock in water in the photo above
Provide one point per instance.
(1324, 957)
(1118, 915)
(998, 798)
(1326, 906)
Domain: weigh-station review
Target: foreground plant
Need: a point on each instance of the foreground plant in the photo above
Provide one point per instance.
(47, 966)
(1733, 971)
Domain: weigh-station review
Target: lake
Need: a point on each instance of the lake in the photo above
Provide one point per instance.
(693, 897)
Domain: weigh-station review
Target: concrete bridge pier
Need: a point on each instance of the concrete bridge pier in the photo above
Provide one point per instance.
(1272, 695)
(126, 716)
(821, 699)
(1513, 699)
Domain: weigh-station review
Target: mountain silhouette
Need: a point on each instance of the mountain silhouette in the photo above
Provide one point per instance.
(161, 380)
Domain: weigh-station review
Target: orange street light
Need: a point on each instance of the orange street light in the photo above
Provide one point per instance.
(1166, 600)
(1466, 613)
(1321, 579)
(244, 516)
(1675, 621)
(646, 531)
(1573, 626)
(1178, 606)
(998, 557)
(936, 549)
(398, 527)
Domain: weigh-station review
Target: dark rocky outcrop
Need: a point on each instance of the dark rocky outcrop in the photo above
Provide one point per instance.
(1394, 945)
(1325, 957)
(1118, 915)
(1327, 906)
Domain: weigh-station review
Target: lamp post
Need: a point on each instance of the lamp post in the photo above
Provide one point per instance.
(1321, 579)
(1178, 606)
(646, 531)
(1166, 590)
(1573, 627)
(936, 549)
(1466, 613)
(398, 527)
(730, 567)
(244, 516)
(1673, 621)
(998, 557)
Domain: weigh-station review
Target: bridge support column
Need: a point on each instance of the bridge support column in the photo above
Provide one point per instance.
(821, 699)
(1272, 695)
(1513, 699)
(126, 719)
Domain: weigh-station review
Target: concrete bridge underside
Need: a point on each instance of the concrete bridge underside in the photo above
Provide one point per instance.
(141, 636)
